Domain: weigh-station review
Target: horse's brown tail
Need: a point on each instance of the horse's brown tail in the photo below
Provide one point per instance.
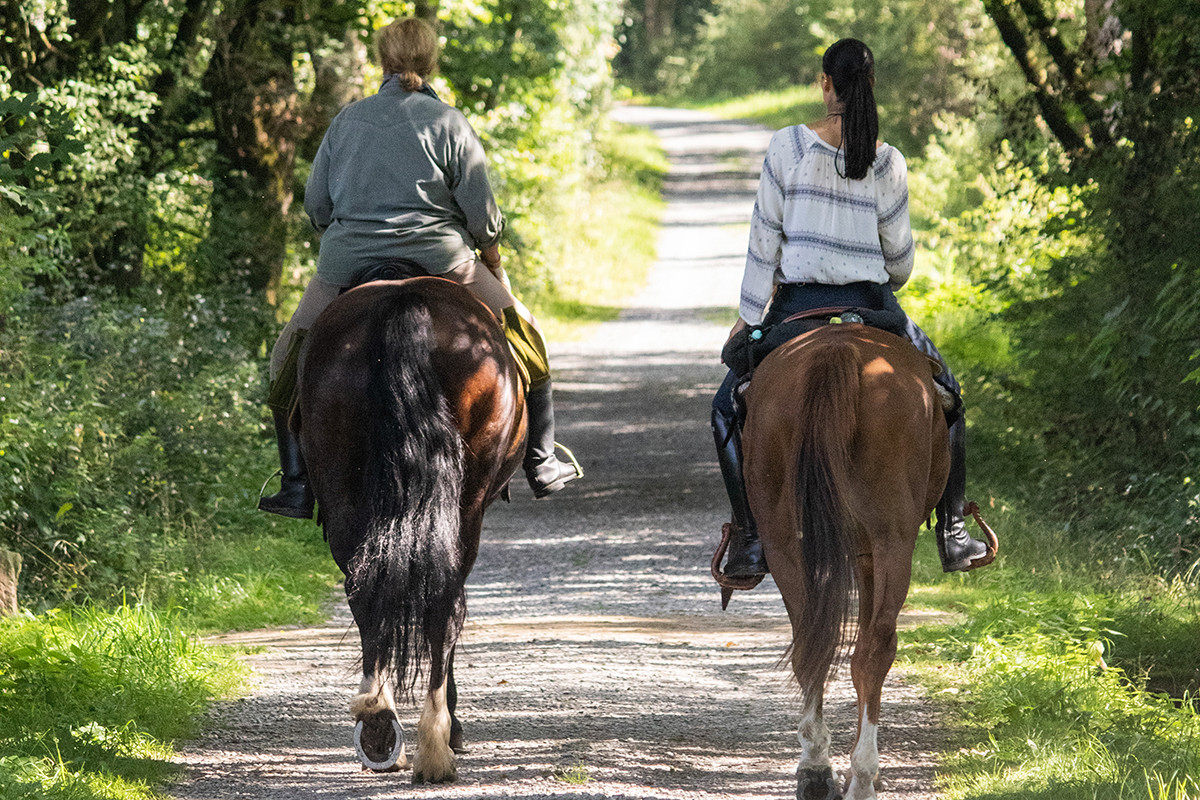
(406, 577)
(829, 418)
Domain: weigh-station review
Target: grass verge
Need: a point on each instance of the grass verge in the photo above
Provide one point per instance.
(91, 700)
(609, 239)
(1072, 675)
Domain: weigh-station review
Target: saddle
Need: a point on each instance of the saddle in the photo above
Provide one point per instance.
(397, 269)
(748, 347)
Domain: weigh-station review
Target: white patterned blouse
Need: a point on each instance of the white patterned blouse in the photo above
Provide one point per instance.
(811, 225)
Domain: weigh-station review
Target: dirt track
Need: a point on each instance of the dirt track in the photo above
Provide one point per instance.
(595, 644)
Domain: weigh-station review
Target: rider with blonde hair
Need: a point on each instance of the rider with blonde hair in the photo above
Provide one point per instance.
(402, 177)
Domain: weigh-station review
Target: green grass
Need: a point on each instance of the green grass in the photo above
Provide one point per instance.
(609, 241)
(1072, 675)
(776, 109)
(91, 700)
(274, 573)
(575, 774)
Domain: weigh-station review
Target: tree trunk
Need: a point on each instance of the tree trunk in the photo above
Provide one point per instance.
(10, 571)
(1048, 102)
(338, 83)
(252, 95)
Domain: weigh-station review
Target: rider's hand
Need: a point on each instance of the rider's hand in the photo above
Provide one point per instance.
(737, 326)
(491, 257)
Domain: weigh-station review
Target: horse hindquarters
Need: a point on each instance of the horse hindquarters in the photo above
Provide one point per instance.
(802, 413)
(839, 467)
(396, 531)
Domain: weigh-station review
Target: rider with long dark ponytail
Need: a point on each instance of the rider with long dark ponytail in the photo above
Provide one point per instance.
(849, 67)
(830, 229)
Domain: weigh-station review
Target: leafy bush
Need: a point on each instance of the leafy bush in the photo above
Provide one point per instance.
(118, 418)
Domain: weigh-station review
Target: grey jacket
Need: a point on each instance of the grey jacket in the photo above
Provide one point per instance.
(400, 175)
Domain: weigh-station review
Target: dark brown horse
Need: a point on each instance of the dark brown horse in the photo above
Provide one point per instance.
(846, 454)
(412, 420)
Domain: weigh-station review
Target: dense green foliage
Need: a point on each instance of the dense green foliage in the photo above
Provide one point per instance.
(141, 289)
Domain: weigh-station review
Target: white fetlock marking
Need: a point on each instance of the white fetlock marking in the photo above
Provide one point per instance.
(434, 761)
(814, 739)
(864, 762)
(373, 696)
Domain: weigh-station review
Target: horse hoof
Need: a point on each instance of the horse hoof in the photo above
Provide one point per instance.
(384, 745)
(816, 783)
(449, 777)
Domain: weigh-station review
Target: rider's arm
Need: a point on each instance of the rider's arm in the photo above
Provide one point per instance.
(472, 190)
(895, 230)
(317, 201)
(766, 238)
(491, 257)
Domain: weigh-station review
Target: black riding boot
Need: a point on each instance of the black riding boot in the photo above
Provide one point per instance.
(955, 546)
(745, 556)
(294, 498)
(545, 472)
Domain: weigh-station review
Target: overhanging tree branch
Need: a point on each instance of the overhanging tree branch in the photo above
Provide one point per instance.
(1070, 69)
(1051, 107)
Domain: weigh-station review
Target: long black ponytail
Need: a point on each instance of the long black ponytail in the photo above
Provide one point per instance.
(851, 66)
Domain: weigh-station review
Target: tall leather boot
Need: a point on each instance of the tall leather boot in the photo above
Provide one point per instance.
(957, 549)
(294, 498)
(545, 472)
(744, 557)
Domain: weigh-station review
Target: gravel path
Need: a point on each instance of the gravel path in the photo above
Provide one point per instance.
(595, 646)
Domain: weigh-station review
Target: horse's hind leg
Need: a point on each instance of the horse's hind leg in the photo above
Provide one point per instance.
(375, 707)
(434, 761)
(380, 735)
(881, 596)
(814, 775)
(456, 729)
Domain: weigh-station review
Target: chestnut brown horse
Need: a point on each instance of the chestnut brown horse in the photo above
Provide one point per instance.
(846, 454)
(412, 420)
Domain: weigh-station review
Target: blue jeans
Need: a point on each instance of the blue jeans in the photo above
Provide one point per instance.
(792, 298)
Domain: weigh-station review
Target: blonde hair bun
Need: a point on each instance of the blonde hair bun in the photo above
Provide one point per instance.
(408, 48)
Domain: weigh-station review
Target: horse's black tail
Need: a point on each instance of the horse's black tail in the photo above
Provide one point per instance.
(406, 579)
(826, 518)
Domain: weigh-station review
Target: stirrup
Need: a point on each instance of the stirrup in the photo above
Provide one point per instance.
(571, 457)
(276, 474)
(540, 489)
